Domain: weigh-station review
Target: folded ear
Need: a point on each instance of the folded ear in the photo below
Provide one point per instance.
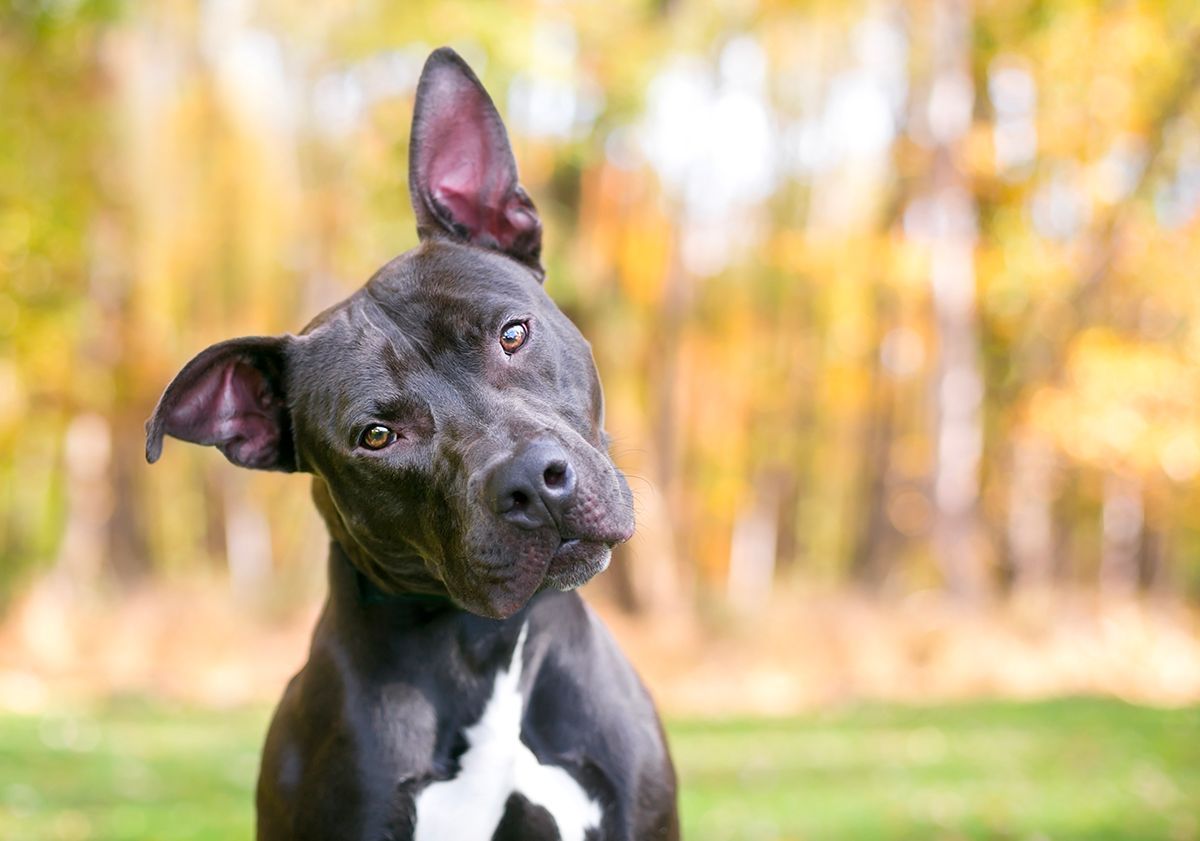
(462, 177)
(232, 397)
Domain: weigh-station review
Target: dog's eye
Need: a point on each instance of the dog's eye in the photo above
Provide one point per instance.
(376, 437)
(513, 336)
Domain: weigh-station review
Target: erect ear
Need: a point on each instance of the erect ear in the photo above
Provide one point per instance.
(461, 173)
(232, 397)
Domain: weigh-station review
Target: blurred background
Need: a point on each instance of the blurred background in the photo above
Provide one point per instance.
(897, 311)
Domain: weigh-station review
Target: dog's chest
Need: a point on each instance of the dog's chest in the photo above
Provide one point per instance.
(501, 789)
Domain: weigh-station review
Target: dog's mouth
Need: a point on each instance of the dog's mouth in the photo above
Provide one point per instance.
(576, 561)
(581, 556)
(571, 564)
(501, 564)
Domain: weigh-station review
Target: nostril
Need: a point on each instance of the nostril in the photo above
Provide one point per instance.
(555, 475)
(531, 488)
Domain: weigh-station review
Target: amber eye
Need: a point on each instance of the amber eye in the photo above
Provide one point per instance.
(513, 336)
(376, 437)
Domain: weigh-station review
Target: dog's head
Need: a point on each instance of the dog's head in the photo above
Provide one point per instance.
(451, 414)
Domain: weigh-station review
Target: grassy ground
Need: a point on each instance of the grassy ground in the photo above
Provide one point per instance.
(1068, 769)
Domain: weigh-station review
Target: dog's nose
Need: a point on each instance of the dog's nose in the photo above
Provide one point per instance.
(531, 489)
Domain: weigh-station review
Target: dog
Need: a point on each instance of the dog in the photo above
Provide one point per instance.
(452, 420)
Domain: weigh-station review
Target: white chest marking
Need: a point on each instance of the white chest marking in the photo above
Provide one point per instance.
(495, 765)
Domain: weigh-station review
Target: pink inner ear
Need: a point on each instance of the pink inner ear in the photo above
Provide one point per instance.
(464, 165)
(230, 406)
(457, 186)
(474, 182)
(490, 220)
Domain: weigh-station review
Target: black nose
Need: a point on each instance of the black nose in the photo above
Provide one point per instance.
(532, 488)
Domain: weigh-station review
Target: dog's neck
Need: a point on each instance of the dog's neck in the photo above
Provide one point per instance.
(353, 592)
(376, 581)
(377, 621)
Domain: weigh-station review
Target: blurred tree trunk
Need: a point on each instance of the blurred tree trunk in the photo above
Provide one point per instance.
(618, 582)
(215, 538)
(1123, 523)
(1156, 575)
(754, 545)
(958, 383)
(868, 561)
(788, 548)
(247, 538)
(118, 343)
(87, 464)
(667, 581)
(665, 353)
(1030, 524)
(128, 550)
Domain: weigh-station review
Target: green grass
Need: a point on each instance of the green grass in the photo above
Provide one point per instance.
(1055, 770)
(1068, 769)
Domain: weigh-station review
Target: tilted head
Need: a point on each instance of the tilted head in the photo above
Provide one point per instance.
(451, 415)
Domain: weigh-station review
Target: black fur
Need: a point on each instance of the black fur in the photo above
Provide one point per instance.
(429, 582)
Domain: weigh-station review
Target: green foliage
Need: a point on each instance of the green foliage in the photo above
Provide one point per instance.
(173, 175)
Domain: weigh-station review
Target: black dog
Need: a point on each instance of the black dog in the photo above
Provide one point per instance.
(452, 420)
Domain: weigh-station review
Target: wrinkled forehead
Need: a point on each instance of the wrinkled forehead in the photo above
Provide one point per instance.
(441, 290)
(416, 326)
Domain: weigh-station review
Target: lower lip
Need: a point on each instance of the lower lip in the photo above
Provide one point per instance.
(575, 562)
(564, 552)
(568, 554)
